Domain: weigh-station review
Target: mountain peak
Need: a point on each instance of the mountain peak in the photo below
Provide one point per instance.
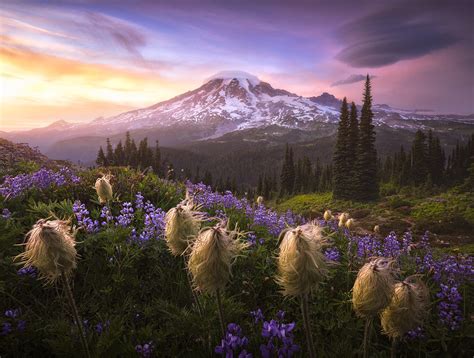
(239, 75)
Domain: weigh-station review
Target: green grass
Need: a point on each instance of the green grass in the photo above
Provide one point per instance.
(450, 213)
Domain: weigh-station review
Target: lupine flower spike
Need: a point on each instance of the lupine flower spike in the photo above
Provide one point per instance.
(104, 188)
(301, 267)
(372, 291)
(50, 247)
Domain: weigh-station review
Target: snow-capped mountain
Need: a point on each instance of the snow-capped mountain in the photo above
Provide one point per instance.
(228, 103)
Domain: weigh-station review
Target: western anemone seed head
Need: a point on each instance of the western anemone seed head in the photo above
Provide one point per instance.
(313, 231)
(260, 200)
(103, 188)
(373, 287)
(301, 263)
(327, 215)
(350, 224)
(182, 226)
(377, 229)
(212, 255)
(343, 218)
(50, 248)
(407, 308)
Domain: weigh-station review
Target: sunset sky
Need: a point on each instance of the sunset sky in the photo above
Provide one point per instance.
(79, 60)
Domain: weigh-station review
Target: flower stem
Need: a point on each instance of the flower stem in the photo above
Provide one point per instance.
(195, 296)
(307, 325)
(221, 313)
(393, 351)
(75, 313)
(368, 322)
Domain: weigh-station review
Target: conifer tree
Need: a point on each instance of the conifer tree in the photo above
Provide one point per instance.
(101, 160)
(109, 153)
(366, 165)
(119, 154)
(419, 154)
(342, 169)
(157, 158)
(287, 177)
(128, 148)
(133, 159)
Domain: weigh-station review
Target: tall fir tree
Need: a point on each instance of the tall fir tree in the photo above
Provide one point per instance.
(128, 148)
(342, 168)
(157, 159)
(366, 181)
(352, 148)
(419, 156)
(109, 153)
(287, 177)
(101, 160)
(119, 154)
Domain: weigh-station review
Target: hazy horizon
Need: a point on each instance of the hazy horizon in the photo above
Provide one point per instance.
(80, 60)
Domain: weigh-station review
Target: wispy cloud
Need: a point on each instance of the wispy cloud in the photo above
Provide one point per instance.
(351, 79)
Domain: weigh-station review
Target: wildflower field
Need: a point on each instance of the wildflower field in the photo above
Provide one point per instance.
(134, 297)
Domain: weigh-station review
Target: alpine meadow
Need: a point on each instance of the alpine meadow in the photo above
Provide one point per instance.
(316, 202)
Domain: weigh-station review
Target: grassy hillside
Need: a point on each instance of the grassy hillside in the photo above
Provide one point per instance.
(448, 216)
(134, 298)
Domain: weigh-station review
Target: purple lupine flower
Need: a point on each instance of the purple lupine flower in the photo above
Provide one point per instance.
(13, 187)
(21, 325)
(391, 246)
(101, 327)
(126, 215)
(233, 342)
(106, 214)
(332, 254)
(257, 315)
(6, 328)
(279, 337)
(6, 214)
(145, 350)
(12, 313)
(83, 219)
(139, 201)
(27, 271)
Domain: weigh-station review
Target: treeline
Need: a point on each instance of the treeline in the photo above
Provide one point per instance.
(426, 164)
(128, 154)
(355, 156)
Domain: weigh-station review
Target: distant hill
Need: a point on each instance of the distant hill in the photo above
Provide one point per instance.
(12, 154)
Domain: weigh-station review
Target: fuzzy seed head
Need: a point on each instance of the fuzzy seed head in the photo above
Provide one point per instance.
(103, 189)
(260, 200)
(327, 215)
(211, 258)
(350, 224)
(407, 309)
(377, 229)
(343, 218)
(182, 225)
(373, 287)
(301, 263)
(50, 248)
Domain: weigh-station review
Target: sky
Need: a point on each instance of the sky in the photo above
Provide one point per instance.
(80, 60)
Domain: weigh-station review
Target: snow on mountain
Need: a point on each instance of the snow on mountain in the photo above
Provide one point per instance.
(232, 100)
(229, 101)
